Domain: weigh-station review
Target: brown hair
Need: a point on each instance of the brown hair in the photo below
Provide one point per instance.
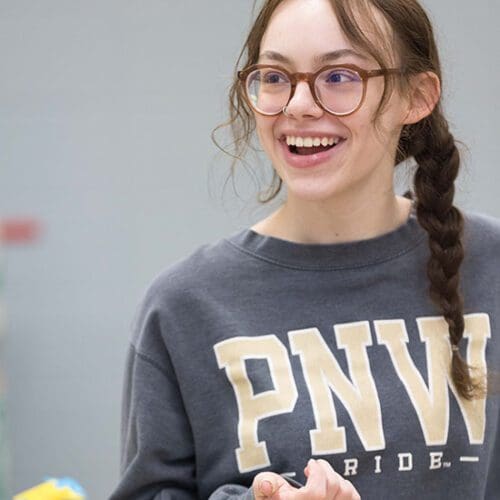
(428, 141)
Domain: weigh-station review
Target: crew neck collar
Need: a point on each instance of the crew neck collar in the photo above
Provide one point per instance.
(332, 256)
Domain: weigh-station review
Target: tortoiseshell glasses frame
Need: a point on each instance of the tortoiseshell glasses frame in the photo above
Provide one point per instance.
(311, 79)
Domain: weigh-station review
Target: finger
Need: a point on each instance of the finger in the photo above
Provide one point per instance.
(347, 491)
(333, 479)
(266, 484)
(338, 487)
(316, 485)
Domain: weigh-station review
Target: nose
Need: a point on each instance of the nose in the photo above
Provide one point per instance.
(302, 103)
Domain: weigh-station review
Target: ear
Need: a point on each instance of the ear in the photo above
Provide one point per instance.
(425, 91)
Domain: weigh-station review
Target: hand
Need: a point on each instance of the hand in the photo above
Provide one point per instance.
(323, 483)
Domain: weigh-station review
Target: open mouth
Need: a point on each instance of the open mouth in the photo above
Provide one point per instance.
(310, 146)
(308, 151)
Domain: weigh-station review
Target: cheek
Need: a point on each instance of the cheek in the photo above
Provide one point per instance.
(375, 139)
(264, 127)
(362, 127)
(364, 122)
(371, 133)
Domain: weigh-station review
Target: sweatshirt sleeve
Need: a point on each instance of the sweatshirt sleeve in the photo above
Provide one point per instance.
(232, 492)
(157, 460)
(157, 447)
(157, 452)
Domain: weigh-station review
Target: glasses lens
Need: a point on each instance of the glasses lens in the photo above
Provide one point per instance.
(268, 90)
(340, 90)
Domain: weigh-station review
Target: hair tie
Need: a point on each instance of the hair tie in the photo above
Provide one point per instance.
(454, 348)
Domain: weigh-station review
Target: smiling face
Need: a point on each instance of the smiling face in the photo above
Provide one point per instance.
(360, 164)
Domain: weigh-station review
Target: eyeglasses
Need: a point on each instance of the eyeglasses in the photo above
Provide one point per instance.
(338, 89)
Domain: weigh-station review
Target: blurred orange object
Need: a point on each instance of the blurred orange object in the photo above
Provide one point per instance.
(19, 230)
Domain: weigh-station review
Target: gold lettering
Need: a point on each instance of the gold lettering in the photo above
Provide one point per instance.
(432, 402)
(231, 355)
(323, 374)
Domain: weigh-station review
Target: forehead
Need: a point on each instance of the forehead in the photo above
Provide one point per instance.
(303, 30)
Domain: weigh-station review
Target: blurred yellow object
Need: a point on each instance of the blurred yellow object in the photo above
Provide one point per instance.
(53, 489)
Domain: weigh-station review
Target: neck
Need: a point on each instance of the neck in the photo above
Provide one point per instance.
(316, 222)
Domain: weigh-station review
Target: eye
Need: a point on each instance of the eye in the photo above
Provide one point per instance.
(341, 75)
(273, 77)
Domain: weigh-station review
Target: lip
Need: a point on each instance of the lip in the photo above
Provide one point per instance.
(310, 161)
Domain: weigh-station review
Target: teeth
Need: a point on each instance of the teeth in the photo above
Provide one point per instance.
(309, 142)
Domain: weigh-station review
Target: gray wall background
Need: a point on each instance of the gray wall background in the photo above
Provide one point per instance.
(105, 138)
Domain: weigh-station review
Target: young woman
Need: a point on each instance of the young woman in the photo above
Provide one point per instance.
(340, 347)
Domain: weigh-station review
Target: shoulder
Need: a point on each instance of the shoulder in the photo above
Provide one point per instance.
(479, 224)
(177, 293)
(481, 234)
(208, 267)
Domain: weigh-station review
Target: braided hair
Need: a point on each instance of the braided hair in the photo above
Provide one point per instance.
(434, 182)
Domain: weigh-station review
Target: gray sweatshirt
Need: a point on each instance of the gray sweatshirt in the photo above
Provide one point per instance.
(256, 353)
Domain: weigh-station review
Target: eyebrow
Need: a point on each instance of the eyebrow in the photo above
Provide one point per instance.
(324, 58)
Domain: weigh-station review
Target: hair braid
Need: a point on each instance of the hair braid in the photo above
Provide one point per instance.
(433, 147)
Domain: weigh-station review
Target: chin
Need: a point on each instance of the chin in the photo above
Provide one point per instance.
(312, 192)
